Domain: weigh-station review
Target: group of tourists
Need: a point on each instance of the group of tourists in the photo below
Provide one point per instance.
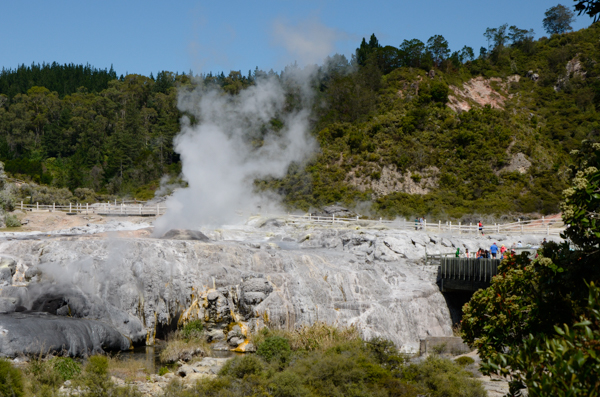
(419, 223)
(494, 252)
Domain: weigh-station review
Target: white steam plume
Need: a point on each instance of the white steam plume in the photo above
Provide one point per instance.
(219, 153)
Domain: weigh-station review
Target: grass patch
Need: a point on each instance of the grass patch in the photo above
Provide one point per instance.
(321, 360)
(186, 343)
(128, 369)
(318, 336)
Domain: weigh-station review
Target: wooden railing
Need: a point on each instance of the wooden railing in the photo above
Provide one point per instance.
(105, 209)
(537, 226)
(137, 208)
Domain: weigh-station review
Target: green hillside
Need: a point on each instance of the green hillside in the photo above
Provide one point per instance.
(403, 131)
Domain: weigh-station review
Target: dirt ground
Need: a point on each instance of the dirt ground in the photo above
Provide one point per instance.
(46, 221)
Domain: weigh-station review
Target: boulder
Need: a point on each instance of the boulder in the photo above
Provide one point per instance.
(34, 333)
(185, 234)
(8, 266)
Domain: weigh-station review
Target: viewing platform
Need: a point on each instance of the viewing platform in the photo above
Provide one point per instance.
(466, 274)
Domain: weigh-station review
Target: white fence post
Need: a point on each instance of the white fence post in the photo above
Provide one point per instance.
(70, 208)
(439, 226)
(87, 207)
(333, 218)
(21, 206)
(37, 205)
(53, 207)
(425, 225)
(157, 210)
(459, 228)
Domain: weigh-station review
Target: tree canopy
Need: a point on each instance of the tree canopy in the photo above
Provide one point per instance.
(558, 19)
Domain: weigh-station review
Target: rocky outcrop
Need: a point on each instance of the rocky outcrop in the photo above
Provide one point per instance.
(244, 278)
(481, 92)
(33, 333)
(518, 162)
(390, 180)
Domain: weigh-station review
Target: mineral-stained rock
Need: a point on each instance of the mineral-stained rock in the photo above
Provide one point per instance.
(33, 333)
(374, 279)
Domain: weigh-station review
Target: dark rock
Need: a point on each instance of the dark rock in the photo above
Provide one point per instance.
(185, 234)
(32, 333)
(67, 301)
(337, 210)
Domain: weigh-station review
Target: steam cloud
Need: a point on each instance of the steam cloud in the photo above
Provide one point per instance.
(220, 155)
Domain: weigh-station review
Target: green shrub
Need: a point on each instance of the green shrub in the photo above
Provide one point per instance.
(287, 384)
(464, 361)
(192, 330)
(442, 377)
(386, 353)
(12, 221)
(163, 370)
(439, 349)
(274, 348)
(66, 367)
(11, 380)
(240, 367)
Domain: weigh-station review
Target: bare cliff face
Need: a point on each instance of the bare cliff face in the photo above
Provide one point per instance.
(144, 286)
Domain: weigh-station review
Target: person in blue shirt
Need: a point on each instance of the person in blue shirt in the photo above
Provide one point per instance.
(494, 250)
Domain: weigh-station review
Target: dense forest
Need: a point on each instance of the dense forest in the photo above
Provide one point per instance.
(400, 128)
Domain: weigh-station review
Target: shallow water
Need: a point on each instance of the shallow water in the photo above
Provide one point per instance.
(150, 355)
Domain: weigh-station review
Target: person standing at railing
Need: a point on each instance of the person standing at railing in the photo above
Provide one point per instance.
(466, 253)
(480, 228)
(458, 252)
(494, 250)
(416, 223)
(502, 251)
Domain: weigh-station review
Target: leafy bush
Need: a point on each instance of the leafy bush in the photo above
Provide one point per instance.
(7, 200)
(287, 384)
(163, 370)
(240, 367)
(441, 377)
(564, 364)
(274, 348)
(192, 330)
(66, 367)
(344, 368)
(464, 361)
(12, 221)
(11, 381)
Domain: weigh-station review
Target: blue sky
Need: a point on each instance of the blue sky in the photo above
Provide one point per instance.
(153, 35)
